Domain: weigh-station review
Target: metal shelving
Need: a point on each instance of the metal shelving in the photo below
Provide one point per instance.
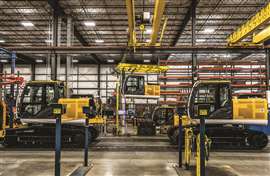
(247, 78)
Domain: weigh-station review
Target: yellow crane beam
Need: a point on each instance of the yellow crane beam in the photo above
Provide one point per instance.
(262, 36)
(131, 22)
(158, 13)
(251, 25)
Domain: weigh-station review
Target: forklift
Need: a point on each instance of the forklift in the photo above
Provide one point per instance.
(229, 117)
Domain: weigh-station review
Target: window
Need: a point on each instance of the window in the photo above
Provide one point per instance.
(206, 94)
(50, 94)
(33, 94)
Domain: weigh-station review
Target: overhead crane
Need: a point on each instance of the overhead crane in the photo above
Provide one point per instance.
(156, 24)
(250, 27)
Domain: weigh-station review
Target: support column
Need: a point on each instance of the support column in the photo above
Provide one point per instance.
(69, 57)
(55, 42)
(33, 72)
(193, 37)
(98, 80)
(267, 66)
(2, 74)
(58, 62)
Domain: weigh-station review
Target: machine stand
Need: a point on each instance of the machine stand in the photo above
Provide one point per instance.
(180, 128)
(202, 146)
(203, 112)
(86, 143)
(58, 147)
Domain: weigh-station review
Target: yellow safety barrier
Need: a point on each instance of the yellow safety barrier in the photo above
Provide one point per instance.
(188, 146)
(185, 120)
(207, 148)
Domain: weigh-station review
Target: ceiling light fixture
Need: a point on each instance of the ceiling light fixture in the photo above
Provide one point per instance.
(4, 61)
(39, 61)
(27, 11)
(200, 40)
(146, 60)
(27, 24)
(75, 61)
(99, 41)
(90, 10)
(48, 41)
(90, 23)
(208, 30)
(148, 31)
(110, 61)
(2, 41)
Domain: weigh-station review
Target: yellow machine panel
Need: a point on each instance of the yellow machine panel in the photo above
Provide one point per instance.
(250, 109)
(74, 108)
(152, 89)
(97, 120)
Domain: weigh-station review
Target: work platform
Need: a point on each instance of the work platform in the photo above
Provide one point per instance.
(210, 171)
(119, 162)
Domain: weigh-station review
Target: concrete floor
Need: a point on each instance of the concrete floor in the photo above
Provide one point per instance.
(40, 162)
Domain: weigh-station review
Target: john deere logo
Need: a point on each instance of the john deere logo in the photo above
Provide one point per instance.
(203, 112)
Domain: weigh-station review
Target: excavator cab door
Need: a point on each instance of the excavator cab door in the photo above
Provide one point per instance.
(37, 97)
(217, 95)
(133, 85)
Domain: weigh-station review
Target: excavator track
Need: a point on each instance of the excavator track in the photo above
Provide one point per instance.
(44, 135)
(232, 137)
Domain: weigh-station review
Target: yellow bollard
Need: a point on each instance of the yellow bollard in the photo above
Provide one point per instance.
(188, 146)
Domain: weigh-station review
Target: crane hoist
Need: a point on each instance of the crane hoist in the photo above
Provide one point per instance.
(146, 24)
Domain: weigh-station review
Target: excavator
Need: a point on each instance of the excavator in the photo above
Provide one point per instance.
(229, 118)
(38, 124)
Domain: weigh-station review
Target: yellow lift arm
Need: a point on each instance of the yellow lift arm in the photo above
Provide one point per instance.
(250, 26)
(158, 13)
(157, 20)
(261, 36)
(131, 22)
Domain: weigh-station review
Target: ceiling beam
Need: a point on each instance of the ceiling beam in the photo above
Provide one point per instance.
(60, 12)
(184, 22)
(119, 49)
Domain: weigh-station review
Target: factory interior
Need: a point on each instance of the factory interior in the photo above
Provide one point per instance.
(134, 87)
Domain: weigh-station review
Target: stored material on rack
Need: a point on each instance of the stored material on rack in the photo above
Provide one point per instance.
(141, 68)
